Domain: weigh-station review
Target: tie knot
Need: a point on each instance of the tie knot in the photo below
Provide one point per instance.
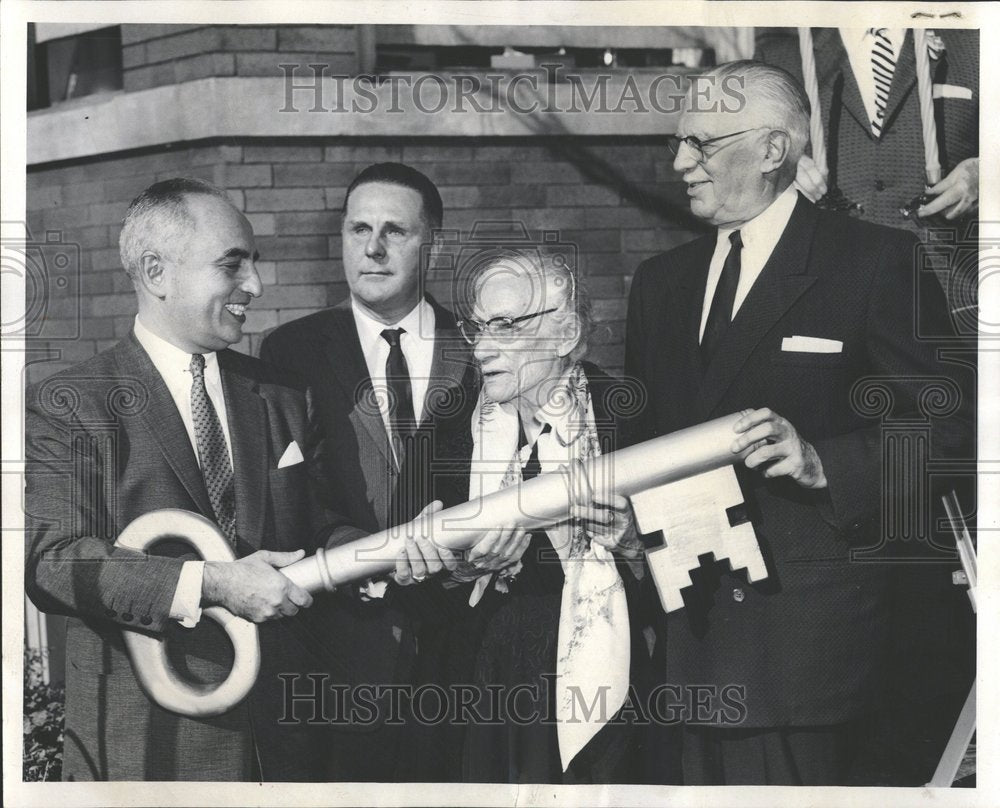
(522, 436)
(736, 239)
(391, 335)
(197, 366)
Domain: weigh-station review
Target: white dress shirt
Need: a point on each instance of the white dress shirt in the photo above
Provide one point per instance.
(858, 43)
(417, 344)
(759, 236)
(174, 366)
(495, 438)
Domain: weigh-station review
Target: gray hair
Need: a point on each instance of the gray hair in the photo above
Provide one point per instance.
(159, 216)
(779, 92)
(556, 278)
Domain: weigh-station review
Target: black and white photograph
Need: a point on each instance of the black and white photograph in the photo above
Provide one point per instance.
(499, 403)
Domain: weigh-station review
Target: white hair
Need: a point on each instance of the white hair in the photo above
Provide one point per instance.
(158, 219)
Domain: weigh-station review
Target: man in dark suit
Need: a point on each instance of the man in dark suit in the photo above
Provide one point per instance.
(782, 313)
(169, 418)
(384, 366)
(876, 157)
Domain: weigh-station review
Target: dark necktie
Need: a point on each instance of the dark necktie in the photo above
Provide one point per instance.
(534, 466)
(212, 452)
(397, 378)
(721, 312)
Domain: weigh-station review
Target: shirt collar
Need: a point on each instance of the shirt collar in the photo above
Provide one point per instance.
(418, 322)
(768, 225)
(567, 423)
(167, 358)
(867, 35)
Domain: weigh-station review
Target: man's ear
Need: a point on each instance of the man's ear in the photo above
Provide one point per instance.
(779, 145)
(152, 275)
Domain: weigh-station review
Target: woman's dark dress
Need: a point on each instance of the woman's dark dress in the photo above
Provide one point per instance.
(514, 665)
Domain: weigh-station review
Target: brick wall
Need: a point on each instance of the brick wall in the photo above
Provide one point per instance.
(154, 55)
(617, 199)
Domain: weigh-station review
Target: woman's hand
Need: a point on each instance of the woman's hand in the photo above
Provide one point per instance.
(499, 549)
(607, 518)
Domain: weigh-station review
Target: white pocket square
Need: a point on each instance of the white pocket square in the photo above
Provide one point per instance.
(292, 455)
(812, 345)
(952, 91)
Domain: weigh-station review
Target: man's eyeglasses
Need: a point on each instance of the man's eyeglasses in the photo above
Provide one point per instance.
(500, 328)
(698, 146)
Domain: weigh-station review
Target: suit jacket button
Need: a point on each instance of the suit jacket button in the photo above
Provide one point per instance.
(127, 617)
(110, 613)
(738, 595)
(146, 620)
(879, 185)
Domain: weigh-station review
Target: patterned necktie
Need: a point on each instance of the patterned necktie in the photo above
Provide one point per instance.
(212, 452)
(721, 312)
(883, 66)
(397, 379)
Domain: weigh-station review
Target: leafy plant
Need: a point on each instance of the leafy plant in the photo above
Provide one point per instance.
(43, 722)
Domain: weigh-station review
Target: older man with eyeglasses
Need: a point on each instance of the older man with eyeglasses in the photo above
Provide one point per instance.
(790, 314)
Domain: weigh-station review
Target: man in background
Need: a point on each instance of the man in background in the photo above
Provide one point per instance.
(384, 366)
(871, 117)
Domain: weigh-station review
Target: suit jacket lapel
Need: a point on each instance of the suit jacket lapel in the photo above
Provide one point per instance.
(348, 367)
(779, 285)
(831, 59)
(163, 422)
(247, 415)
(904, 78)
(452, 360)
(677, 368)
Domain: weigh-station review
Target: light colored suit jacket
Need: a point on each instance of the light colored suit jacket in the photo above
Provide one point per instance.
(882, 174)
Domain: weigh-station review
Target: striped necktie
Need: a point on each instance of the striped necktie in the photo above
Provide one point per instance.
(883, 66)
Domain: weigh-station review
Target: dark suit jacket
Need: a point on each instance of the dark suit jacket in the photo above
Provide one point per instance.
(882, 174)
(805, 642)
(363, 482)
(105, 444)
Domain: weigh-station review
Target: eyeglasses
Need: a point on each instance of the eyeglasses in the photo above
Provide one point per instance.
(698, 146)
(501, 329)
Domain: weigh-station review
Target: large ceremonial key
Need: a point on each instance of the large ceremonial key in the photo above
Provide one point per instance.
(698, 515)
(682, 483)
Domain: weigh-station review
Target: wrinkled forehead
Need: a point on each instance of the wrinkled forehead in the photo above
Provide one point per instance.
(510, 288)
(715, 105)
(385, 200)
(217, 225)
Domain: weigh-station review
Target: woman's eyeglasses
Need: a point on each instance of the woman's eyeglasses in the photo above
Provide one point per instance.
(499, 328)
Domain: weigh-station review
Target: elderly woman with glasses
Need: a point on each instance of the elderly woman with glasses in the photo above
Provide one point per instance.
(557, 650)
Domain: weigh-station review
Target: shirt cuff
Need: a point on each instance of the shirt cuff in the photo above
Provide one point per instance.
(373, 590)
(186, 605)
